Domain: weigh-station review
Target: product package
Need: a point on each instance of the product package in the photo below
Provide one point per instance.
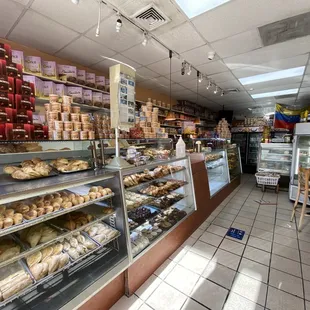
(24, 102)
(5, 52)
(38, 84)
(49, 88)
(49, 68)
(7, 100)
(90, 79)
(67, 73)
(14, 70)
(24, 88)
(81, 77)
(61, 90)
(18, 57)
(100, 82)
(88, 96)
(3, 67)
(107, 85)
(33, 64)
(97, 99)
(76, 93)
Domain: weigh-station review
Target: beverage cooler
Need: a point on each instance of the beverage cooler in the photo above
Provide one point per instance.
(301, 156)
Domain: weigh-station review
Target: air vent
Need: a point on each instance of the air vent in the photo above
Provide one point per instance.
(285, 29)
(151, 17)
(232, 90)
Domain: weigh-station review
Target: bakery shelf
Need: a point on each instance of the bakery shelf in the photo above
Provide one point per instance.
(211, 160)
(214, 167)
(67, 83)
(170, 126)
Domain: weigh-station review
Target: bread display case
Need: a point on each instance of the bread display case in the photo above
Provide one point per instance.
(234, 162)
(158, 197)
(58, 230)
(217, 167)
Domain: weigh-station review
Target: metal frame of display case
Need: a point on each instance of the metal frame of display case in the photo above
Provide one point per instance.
(237, 150)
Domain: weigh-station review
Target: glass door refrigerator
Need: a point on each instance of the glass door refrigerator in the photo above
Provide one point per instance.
(301, 156)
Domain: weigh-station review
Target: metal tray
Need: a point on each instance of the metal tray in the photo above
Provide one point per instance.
(91, 166)
(52, 173)
(154, 212)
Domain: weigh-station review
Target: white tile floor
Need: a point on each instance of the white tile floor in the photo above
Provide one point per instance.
(268, 270)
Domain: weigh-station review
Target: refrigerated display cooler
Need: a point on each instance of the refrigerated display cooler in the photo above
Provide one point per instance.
(301, 157)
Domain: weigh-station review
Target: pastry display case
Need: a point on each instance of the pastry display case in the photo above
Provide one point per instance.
(57, 229)
(234, 162)
(275, 157)
(217, 167)
(158, 197)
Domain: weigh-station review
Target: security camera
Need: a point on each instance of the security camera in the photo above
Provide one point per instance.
(211, 55)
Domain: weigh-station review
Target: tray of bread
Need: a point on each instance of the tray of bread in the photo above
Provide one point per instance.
(101, 233)
(65, 165)
(30, 170)
(149, 175)
(10, 247)
(135, 200)
(167, 201)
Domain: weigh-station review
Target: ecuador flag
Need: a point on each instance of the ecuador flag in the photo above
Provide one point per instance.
(285, 118)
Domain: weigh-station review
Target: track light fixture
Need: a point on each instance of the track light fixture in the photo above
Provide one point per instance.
(200, 77)
(75, 1)
(98, 22)
(183, 68)
(119, 23)
(209, 85)
(145, 39)
(216, 90)
(189, 70)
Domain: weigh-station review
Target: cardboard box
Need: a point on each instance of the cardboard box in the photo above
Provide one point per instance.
(90, 79)
(33, 64)
(24, 88)
(88, 96)
(4, 84)
(14, 70)
(7, 100)
(49, 68)
(3, 67)
(61, 90)
(81, 77)
(24, 102)
(6, 115)
(97, 99)
(18, 57)
(15, 131)
(100, 82)
(38, 84)
(67, 73)
(76, 93)
(49, 88)
(5, 52)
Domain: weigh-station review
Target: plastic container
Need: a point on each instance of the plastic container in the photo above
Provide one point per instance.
(180, 148)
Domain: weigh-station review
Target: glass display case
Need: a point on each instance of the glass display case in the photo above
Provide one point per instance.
(275, 157)
(217, 167)
(234, 162)
(205, 144)
(253, 146)
(158, 197)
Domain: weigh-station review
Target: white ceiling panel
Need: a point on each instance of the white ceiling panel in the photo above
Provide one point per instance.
(182, 38)
(287, 100)
(77, 17)
(42, 33)
(125, 39)
(163, 81)
(199, 55)
(230, 84)
(274, 88)
(23, 2)
(149, 84)
(179, 78)
(213, 67)
(222, 77)
(163, 67)
(304, 90)
(9, 12)
(241, 15)
(146, 55)
(85, 51)
(270, 53)
(146, 73)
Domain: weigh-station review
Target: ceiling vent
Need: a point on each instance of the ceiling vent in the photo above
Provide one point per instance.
(232, 90)
(151, 17)
(285, 29)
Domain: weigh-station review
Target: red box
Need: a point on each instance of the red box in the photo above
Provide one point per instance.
(3, 68)
(30, 117)
(15, 131)
(5, 51)
(4, 84)
(22, 116)
(45, 129)
(2, 132)
(29, 131)
(24, 88)
(38, 133)
(11, 69)
(24, 102)
(7, 100)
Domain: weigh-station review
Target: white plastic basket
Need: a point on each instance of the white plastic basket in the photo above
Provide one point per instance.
(264, 179)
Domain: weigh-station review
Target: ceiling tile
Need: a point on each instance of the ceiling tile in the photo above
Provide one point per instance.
(146, 73)
(230, 84)
(222, 77)
(199, 55)
(85, 51)
(181, 38)
(39, 32)
(179, 78)
(304, 90)
(254, 13)
(9, 13)
(238, 44)
(213, 67)
(79, 17)
(274, 88)
(23, 2)
(149, 84)
(146, 55)
(270, 53)
(163, 67)
(128, 37)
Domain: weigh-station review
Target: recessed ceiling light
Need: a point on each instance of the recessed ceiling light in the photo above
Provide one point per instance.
(277, 75)
(251, 88)
(196, 7)
(276, 93)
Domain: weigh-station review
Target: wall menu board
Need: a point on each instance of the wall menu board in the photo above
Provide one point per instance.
(127, 98)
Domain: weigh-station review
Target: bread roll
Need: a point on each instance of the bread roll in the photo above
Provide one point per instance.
(7, 222)
(33, 206)
(75, 201)
(48, 209)
(57, 200)
(1, 224)
(49, 197)
(73, 242)
(17, 218)
(22, 208)
(9, 213)
(40, 211)
(47, 202)
(36, 271)
(92, 195)
(67, 205)
(38, 200)
(33, 259)
(98, 195)
(56, 206)
(94, 189)
(86, 198)
(63, 260)
(10, 169)
(20, 175)
(46, 252)
(73, 253)
(40, 204)
(81, 200)
(53, 262)
(2, 209)
(56, 195)
(70, 225)
(30, 215)
(71, 196)
(57, 248)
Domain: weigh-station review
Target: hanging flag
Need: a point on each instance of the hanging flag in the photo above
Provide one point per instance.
(286, 118)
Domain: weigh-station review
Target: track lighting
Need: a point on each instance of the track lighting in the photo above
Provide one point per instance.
(183, 68)
(119, 23)
(222, 94)
(189, 70)
(75, 1)
(200, 77)
(216, 90)
(145, 39)
(209, 85)
(98, 22)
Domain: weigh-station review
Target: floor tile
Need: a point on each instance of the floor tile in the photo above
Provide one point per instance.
(286, 282)
(230, 211)
(257, 255)
(265, 219)
(285, 232)
(279, 300)
(182, 279)
(194, 262)
(303, 236)
(237, 302)
(262, 234)
(165, 297)
(250, 288)
(212, 239)
(304, 246)
(254, 270)
(197, 233)
(145, 307)
(178, 254)
(305, 257)
(270, 214)
(131, 303)
(306, 272)
(148, 287)
(204, 249)
(246, 214)
(222, 223)
(219, 274)
(188, 242)
(227, 259)
(264, 226)
(191, 304)
(217, 230)
(285, 251)
(307, 305)
(209, 294)
(285, 265)
(232, 246)
(287, 241)
(307, 290)
(259, 244)
(283, 212)
(163, 270)
(244, 220)
(226, 216)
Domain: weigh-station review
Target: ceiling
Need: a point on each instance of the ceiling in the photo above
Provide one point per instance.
(231, 30)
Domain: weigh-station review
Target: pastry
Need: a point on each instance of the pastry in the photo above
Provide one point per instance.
(17, 218)
(40, 211)
(56, 206)
(48, 209)
(70, 225)
(36, 270)
(34, 258)
(30, 215)
(10, 169)
(48, 251)
(63, 260)
(57, 248)
(53, 262)
(73, 253)
(67, 246)
(22, 208)
(9, 213)
(7, 222)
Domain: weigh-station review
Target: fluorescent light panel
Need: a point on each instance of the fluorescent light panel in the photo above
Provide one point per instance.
(193, 8)
(277, 75)
(276, 93)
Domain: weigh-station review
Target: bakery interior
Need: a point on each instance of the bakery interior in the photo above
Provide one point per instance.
(125, 125)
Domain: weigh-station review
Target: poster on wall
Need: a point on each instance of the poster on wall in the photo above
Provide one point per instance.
(127, 98)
